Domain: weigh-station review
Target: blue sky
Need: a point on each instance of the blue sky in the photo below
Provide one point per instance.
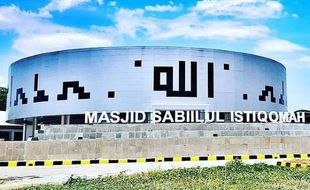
(278, 29)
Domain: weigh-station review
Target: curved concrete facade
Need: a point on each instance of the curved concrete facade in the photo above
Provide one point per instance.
(144, 79)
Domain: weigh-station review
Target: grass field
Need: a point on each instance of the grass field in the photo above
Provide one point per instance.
(234, 176)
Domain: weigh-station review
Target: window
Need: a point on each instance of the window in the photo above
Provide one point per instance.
(226, 66)
(138, 63)
(111, 94)
(245, 96)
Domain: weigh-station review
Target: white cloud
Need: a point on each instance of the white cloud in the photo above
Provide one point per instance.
(100, 2)
(305, 60)
(58, 41)
(2, 81)
(62, 5)
(130, 22)
(11, 17)
(127, 22)
(294, 15)
(112, 3)
(162, 8)
(38, 35)
(214, 29)
(249, 9)
(292, 55)
(277, 46)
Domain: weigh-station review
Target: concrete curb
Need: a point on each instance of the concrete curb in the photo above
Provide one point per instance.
(154, 159)
(292, 165)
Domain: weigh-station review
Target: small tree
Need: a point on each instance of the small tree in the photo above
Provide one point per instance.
(3, 94)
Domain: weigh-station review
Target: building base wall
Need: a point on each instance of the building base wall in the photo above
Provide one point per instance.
(135, 148)
(149, 140)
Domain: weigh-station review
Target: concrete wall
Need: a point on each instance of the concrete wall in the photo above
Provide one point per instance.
(156, 131)
(133, 148)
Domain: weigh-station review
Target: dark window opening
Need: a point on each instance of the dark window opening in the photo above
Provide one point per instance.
(138, 63)
(111, 94)
(49, 120)
(18, 136)
(226, 66)
(245, 96)
(77, 119)
(5, 135)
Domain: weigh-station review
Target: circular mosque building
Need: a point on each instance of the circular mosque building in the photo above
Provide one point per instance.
(49, 86)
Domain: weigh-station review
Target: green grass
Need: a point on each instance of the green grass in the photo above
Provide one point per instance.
(234, 176)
